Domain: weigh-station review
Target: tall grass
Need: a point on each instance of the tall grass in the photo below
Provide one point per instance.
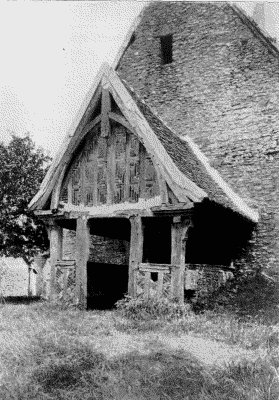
(50, 353)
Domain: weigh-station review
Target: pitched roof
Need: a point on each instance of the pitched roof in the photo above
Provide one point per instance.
(179, 160)
(193, 163)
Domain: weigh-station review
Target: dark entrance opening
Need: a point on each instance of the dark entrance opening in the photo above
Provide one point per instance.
(106, 283)
(108, 265)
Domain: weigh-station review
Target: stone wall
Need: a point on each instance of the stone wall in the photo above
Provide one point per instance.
(222, 89)
(102, 249)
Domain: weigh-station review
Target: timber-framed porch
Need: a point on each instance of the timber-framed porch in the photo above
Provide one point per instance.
(121, 162)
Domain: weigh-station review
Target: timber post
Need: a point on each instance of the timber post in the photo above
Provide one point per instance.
(136, 251)
(39, 262)
(179, 231)
(82, 256)
(56, 240)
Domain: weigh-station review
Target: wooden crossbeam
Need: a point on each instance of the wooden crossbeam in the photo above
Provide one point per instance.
(151, 267)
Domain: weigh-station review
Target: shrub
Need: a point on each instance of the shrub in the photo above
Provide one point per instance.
(151, 309)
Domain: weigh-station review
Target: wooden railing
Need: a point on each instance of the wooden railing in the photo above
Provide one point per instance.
(156, 280)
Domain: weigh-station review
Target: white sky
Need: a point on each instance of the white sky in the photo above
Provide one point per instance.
(49, 55)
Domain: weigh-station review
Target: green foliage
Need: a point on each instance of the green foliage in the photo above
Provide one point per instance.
(22, 168)
(151, 309)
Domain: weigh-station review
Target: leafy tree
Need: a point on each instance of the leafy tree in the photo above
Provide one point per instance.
(22, 168)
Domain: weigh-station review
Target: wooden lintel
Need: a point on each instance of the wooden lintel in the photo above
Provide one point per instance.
(180, 208)
(106, 107)
(151, 267)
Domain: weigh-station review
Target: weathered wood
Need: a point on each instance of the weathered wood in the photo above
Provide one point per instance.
(57, 189)
(121, 120)
(127, 171)
(106, 107)
(66, 263)
(82, 256)
(88, 127)
(147, 281)
(56, 243)
(152, 267)
(111, 170)
(160, 284)
(179, 231)
(39, 262)
(136, 251)
(180, 208)
(177, 181)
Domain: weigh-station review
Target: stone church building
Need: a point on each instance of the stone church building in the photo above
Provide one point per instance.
(167, 181)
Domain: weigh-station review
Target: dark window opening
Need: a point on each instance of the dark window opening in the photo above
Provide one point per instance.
(166, 49)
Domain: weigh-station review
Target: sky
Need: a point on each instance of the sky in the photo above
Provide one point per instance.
(50, 53)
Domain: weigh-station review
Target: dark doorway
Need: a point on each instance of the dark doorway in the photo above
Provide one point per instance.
(106, 283)
(157, 240)
(107, 269)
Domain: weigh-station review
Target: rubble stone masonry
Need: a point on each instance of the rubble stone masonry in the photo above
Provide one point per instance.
(221, 89)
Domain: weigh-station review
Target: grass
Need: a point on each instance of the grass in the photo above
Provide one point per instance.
(47, 352)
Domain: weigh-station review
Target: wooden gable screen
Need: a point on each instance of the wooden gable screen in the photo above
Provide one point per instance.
(110, 169)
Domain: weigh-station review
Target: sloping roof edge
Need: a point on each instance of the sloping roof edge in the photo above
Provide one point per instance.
(183, 187)
(234, 197)
(53, 172)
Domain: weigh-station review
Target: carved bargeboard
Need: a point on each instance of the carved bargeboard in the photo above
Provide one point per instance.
(109, 170)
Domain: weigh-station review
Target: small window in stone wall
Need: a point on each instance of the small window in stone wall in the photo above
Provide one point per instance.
(166, 49)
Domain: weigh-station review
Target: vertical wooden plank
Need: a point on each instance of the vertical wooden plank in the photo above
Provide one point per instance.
(127, 171)
(147, 277)
(111, 169)
(95, 169)
(136, 250)
(56, 239)
(160, 284)
(106, 107)
(82, 255)
(179, 231)
(70, 194)
(141, 171)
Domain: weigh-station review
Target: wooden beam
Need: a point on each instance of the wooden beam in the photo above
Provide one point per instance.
(179, 230)
(121, 120)
(39, 262)
(56, 242)
(127, 169)
(88, 127)
(151, 267)
(111, 169)
(106, 107)
(136, 251)
(82, 256)
(160, 284)
(57, 189)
